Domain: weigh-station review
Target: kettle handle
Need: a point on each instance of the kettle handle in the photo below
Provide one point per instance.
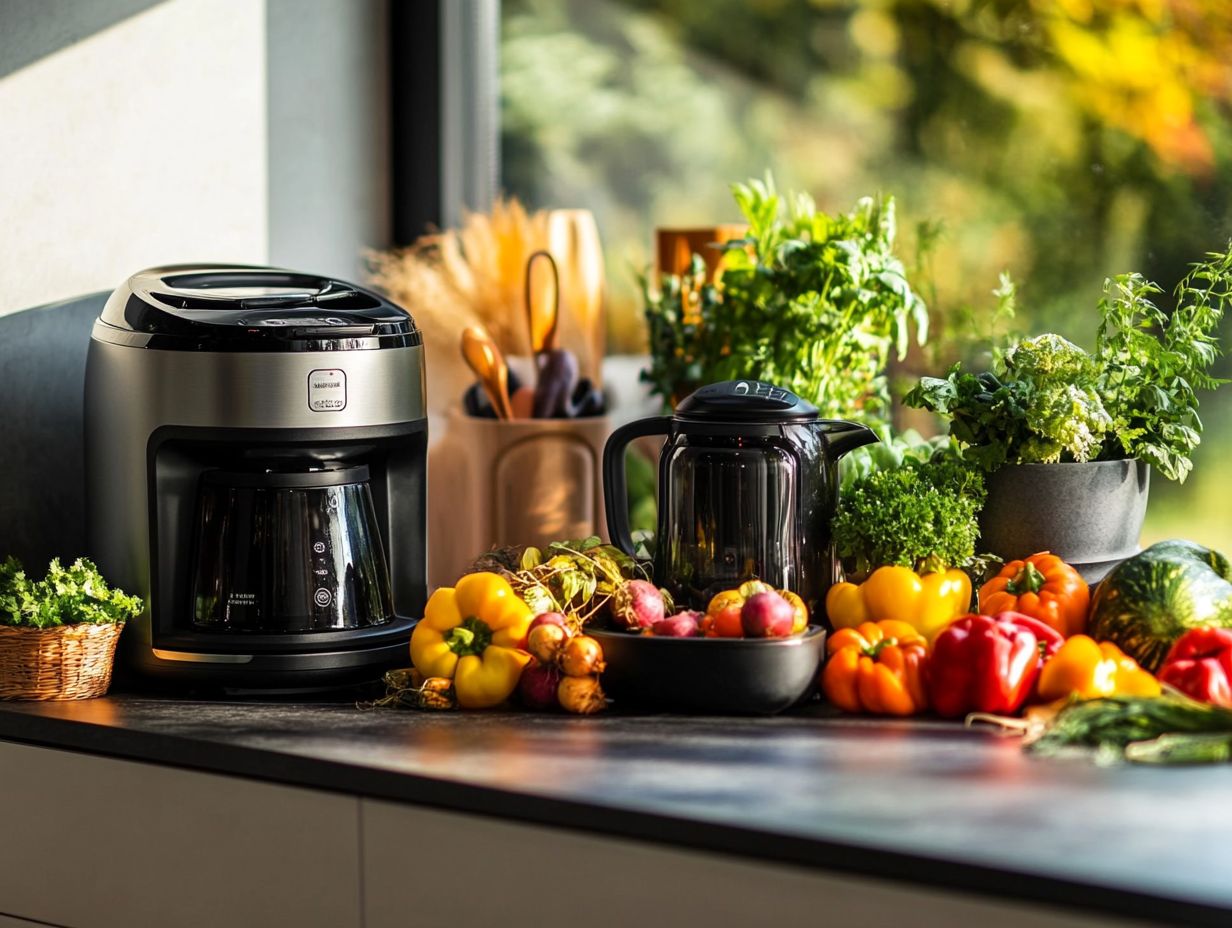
(615, 486)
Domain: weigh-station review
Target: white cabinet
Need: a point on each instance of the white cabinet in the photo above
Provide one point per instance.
(427, 867)
(92, 842)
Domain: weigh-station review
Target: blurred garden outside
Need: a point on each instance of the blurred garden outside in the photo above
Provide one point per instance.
(1060, 141)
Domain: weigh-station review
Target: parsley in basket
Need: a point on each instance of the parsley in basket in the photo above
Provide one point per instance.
(71, 595)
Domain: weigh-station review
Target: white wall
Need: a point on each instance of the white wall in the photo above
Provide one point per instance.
(140, 144)
(329, 145)
(187, 130)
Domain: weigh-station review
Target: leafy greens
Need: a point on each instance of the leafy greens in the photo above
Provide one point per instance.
(1136, 396)
(918, 512)
(808, 301)
(66, 596)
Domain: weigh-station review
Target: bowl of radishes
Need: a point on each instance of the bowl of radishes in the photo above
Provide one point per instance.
(751, 652)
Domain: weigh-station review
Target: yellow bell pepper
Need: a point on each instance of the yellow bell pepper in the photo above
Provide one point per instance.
(927, 602)
(474, 633)
(1090, 669)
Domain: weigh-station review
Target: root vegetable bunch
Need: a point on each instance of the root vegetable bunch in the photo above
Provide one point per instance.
(564, 668)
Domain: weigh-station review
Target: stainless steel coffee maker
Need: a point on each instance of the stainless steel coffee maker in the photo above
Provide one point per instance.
(255, 458)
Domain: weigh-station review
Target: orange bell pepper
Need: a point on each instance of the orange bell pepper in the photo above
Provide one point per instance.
(1042, 586)
(1087, 669)
(878, 668)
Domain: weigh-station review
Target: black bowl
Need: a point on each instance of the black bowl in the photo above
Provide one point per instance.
(716, 676)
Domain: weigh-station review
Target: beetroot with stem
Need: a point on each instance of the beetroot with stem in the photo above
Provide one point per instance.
(767, 615)
(681, 625)
(638, 604)
(538, 685)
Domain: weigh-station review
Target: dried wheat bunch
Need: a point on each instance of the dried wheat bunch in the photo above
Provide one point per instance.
(474, 274)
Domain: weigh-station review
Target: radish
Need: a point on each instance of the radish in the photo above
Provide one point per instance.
(538, 685)
(680, 625)
(550, 618)
(767, 615)
(638, 604)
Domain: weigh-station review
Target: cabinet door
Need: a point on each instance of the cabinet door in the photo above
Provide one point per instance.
(9, 922)
(426, 867)
(93, 842)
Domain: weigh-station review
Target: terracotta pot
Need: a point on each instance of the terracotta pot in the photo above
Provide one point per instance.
(1088, 514)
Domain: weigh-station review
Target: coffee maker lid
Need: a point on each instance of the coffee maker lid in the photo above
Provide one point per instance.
(244, 308)
(752, 401)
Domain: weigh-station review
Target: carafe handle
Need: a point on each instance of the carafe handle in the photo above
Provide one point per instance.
(615, 487)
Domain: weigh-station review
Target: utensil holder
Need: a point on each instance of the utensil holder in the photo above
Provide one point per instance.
(61, 662)
(496, 482)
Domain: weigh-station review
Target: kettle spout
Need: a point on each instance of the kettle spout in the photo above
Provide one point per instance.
(842, 437)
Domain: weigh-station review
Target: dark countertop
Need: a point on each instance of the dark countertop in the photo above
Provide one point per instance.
(923, 802)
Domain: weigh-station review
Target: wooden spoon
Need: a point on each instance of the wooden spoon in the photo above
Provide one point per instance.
(542, 302)
(485, 359)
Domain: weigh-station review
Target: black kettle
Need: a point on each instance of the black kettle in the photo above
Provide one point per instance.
(748, 483)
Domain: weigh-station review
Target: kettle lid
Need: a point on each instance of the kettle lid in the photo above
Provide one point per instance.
(751, 401)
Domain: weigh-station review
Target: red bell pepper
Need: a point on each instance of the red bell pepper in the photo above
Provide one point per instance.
(1200, 665)
(988, 663)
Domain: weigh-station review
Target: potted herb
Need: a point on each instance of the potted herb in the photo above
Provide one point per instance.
(58, 635)
(1068, 437)
(811, 302)
(906, 532)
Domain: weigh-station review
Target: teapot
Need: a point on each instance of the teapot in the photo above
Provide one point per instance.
(748, 483)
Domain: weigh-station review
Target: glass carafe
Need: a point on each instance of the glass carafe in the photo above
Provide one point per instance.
(288, 552)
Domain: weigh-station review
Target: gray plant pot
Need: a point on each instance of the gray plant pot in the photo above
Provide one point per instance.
(1087, 514)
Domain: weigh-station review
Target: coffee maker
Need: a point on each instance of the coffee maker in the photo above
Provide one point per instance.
(256, 444)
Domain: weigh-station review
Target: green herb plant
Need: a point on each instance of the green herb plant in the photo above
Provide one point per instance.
(808, 301)
(66, 596)
(1047, 400)
(918, 510)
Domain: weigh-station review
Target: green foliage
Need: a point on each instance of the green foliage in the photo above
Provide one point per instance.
(891, 451)
(66, 596)
(1065, 415)
(1136, 397)
(1042, 406)
(575, 578)
(1153, 364)
(643, 493)
(920, 513)
(1148, 729)
(808, 301)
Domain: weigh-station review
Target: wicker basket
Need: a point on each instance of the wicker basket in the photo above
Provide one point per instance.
(62, 662)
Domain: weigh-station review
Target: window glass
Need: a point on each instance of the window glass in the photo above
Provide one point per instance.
(1062, 141)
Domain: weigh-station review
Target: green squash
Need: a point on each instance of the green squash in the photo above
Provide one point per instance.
(1152, 598)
